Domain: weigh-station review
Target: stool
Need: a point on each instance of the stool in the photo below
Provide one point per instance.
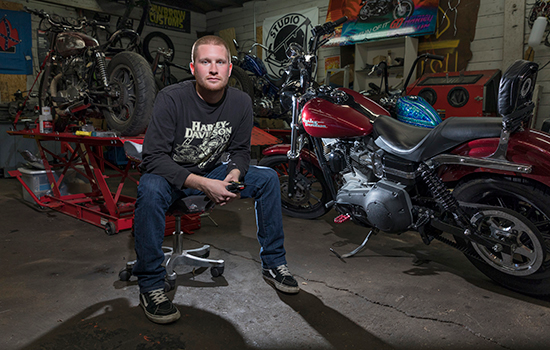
(176, 256)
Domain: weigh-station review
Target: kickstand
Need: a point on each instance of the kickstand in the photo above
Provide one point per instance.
(355, 251)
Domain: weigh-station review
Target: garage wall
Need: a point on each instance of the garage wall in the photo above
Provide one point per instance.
(487, 47)
(182, 41)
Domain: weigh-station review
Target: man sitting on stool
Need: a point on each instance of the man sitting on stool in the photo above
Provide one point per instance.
(193, 123)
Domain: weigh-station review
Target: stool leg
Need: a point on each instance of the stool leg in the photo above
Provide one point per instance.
(178, 243)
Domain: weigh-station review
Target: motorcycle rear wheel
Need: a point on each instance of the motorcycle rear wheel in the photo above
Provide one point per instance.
(531, 202)
(312, 191)
(131, 76)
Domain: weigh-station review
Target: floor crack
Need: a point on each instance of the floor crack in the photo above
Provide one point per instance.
(477, 334)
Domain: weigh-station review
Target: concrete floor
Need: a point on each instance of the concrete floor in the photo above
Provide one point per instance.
(60, 290)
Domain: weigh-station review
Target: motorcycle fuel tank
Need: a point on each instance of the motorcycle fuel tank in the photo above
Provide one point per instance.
(323, 118)
(254, 64)
(71, 43)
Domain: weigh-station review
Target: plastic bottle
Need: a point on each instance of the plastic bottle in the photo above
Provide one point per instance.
(539, 27)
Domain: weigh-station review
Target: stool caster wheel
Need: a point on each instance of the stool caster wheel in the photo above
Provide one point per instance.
(124, 275)
(110, 228)
(216, 271)
(169, 285)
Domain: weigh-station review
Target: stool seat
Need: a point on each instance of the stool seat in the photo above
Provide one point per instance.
(190, 205)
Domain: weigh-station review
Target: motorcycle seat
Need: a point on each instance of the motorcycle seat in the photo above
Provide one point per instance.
(418, 144)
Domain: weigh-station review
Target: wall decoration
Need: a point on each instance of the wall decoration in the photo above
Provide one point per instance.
(167, 17)
(15, 42)
(280, 31)
(453, 44)
(375, 20)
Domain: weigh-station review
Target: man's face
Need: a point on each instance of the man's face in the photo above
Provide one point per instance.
(212, 67)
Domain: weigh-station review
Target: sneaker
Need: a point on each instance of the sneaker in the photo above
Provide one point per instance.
(281, 278)
(158, 308)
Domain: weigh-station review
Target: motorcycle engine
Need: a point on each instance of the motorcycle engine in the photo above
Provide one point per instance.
(385, 204)
(68, 87)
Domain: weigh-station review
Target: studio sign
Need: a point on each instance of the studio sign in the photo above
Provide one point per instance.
(292, 28)
(169, 18)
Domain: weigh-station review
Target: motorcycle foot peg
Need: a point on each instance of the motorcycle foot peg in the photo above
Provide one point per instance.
(342, 218)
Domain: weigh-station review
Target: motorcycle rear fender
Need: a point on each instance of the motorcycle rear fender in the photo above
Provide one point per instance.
(530, 147)
(305, 154)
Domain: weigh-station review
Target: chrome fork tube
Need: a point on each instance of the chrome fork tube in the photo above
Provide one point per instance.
(293, 154)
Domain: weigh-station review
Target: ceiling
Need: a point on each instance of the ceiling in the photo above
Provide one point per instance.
(202, 6)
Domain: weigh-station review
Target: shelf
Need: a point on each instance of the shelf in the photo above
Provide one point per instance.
(365, 53)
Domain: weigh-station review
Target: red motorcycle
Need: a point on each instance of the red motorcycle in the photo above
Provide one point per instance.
(479, 184)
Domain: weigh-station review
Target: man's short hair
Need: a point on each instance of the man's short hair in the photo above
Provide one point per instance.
(209, 40)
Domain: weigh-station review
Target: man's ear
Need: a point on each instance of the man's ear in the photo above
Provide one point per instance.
(230, 68)
(192, 67)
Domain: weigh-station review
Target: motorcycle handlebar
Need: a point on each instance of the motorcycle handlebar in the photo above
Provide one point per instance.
(63, 22)
(340, 21)
(435, 57)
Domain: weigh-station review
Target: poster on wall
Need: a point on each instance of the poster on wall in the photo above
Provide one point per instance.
(167, 17)
(15, 42)
(280, 31)
(381, 19)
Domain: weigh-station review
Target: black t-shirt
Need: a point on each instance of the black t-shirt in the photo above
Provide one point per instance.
(187, 135)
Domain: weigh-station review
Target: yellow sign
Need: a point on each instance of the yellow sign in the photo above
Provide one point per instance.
(169, 18)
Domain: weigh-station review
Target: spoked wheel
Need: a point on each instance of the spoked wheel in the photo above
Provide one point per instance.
(404, 9)
(526, 267)
(312, 192)
(240, 80)
(365, 12)
(133, 92)
(155, 40)
(50, 84)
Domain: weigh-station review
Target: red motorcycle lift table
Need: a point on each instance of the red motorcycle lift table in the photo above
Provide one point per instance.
(112, 211)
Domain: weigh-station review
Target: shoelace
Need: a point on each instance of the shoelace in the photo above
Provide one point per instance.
(283, 270)
(158, 297)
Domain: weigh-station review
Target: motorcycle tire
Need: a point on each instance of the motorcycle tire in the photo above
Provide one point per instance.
(239, 79)
(531, 201)
(312, 190)
(406, 10)
(365, 13)
(60, 123)
(151, 44)
(131, 75)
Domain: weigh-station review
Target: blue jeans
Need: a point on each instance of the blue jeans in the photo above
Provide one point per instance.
(155, 195)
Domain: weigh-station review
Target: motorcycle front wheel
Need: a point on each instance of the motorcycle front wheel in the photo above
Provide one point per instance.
(312, 192)
(239, 79)
(404, 10)
(133, 83)
(527, 268)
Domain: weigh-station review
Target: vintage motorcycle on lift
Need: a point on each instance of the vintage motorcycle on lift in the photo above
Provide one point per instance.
(78, 82)
(479, 184)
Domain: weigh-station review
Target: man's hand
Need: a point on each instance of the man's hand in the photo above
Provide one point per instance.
(216, 190)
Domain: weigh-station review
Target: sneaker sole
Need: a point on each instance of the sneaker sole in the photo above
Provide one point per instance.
(162, 319)
(281, 287)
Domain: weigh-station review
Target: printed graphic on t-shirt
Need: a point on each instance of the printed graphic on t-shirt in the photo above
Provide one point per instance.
(214, 141)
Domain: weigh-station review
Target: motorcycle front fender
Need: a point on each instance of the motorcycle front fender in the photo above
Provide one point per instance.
(305, 154)
(529, 147)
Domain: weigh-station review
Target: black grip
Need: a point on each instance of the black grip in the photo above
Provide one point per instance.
(435, 57)
(235, 187)
(340, 21)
